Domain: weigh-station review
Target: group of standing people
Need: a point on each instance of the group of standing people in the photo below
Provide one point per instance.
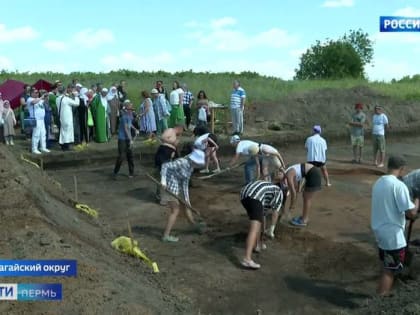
(77, 114)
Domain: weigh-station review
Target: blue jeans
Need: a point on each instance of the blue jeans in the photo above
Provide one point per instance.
(250, 168)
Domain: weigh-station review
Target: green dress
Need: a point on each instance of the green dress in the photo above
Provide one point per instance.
(99, 116)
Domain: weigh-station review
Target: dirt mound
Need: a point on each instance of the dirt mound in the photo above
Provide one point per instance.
(36, 225)
(331, 108)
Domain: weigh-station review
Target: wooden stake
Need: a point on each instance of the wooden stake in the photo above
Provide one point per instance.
(76, 194)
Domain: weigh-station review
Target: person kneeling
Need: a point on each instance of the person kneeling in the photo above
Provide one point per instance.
(257, 197)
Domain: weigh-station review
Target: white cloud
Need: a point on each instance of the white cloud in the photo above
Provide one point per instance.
(408, 11)
(5, 63)
(297, 53)
(222, 22)
(87, 38)
(55, 45)
(388, 69)
(338, 3)
(24, 33)
(222, 37)
(129, 60)
(396, 37)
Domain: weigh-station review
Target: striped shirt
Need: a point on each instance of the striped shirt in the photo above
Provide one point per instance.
(175, 175)
(267, 193)
(236, 97)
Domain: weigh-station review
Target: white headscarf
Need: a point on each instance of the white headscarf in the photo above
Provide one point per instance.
(112, 93)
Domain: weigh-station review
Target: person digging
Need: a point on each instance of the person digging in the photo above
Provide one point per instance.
(257, 197)
(175, 177)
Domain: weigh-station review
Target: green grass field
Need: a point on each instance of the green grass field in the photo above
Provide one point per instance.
(218, 85)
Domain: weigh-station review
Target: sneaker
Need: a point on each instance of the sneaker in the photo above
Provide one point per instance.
(130, 176)
(11, 142)
(269, 233)
(170, 239)
(298, 221)
(217, 170)
(204, 171)
(250, 264)
(381, 165)
(36, 152)
(328, 184)
(260, 247)
(45, 150)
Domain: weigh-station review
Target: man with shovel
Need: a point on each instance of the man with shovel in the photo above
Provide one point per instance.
(391, 205)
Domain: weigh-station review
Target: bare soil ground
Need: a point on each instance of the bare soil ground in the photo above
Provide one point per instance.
(330, 267)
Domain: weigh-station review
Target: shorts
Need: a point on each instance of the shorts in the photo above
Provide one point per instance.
(317, 164)
(254, 208)
(357, 141)
(378, 143)
(165, 197)
(313, 180)
(393, 260)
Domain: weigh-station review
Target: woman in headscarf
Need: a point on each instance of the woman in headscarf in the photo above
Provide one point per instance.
(114, 104)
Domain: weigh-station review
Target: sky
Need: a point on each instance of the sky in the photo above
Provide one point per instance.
(266, 36)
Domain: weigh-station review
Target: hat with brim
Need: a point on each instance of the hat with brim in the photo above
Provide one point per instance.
(198, 157)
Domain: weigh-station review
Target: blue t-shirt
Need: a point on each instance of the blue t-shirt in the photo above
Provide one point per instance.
(126, 119)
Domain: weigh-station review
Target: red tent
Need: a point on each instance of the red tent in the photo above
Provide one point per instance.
(12, 90)
(43, 85)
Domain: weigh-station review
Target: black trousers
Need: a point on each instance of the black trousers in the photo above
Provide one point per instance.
(187, 113)
(124, 148)
(83, 123)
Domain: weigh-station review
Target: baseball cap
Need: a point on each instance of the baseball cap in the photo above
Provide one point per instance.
(154, 91)
(235, 139)
(317, 129)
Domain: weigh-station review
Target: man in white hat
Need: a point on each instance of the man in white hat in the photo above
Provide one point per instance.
(249, 149)
(175, 177)
(161, 110)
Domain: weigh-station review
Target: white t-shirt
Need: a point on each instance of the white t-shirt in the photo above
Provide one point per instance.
(174, 96)
(390, 200)
(379, 122)
(298, 171)
(243, 147)
(316, 147)
(200, 142)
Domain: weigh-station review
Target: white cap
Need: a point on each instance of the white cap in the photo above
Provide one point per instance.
(198, 157)
(235, 139)
(79, 85)
(104, 90)
(154, 91)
